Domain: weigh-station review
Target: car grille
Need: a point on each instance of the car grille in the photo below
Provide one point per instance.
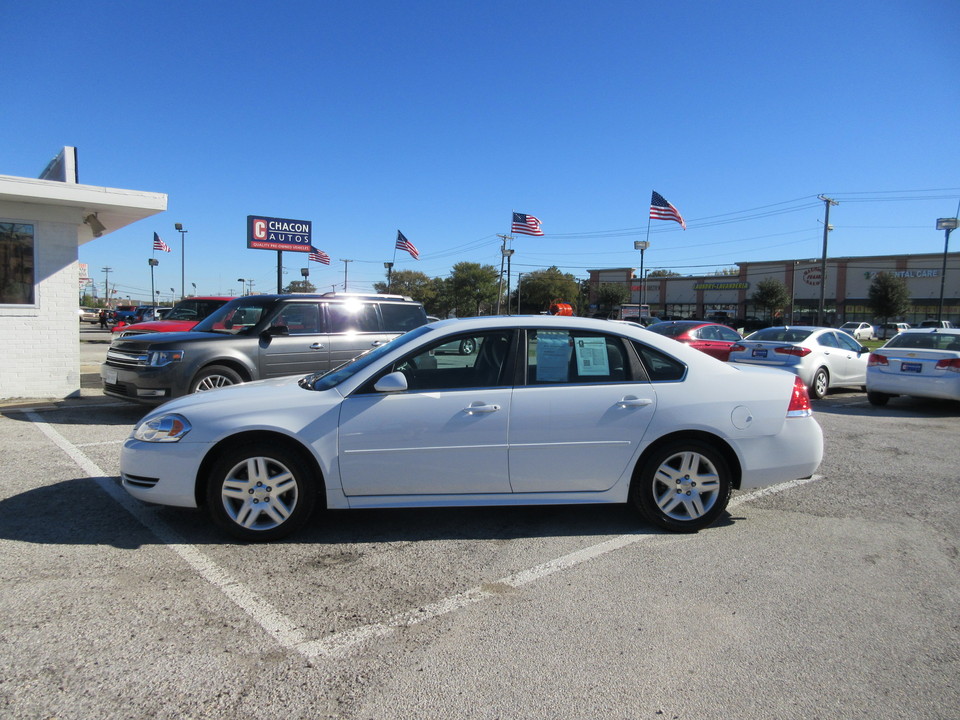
(139, 481)
(126, 358)
(117, 389)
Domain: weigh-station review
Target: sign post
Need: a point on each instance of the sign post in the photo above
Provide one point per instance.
(269, 233)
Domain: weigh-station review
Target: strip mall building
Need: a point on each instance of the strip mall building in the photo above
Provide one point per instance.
(845, 292)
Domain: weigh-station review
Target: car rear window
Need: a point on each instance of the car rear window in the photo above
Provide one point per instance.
(780, 335)
(925, 341)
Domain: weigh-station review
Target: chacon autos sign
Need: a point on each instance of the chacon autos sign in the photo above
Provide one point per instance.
(268, 233)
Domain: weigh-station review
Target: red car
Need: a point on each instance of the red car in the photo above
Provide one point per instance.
(183, 317)
(711, 338)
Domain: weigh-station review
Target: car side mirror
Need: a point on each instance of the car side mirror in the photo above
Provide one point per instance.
(864, 349)
(391, 383)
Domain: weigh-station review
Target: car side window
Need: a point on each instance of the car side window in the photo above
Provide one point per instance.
(298, 318)
(828, 340)
(728, 334)
(572, 356)
(355, 317)
(400, 317)
(659, 366)
(473, 360)
(848, 342)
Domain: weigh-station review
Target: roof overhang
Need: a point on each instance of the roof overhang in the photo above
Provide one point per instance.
(99, 210)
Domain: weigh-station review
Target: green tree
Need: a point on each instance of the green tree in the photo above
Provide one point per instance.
(772, 295)
(300, 286)
(613, 295)
(662, 273)
(540, 287)
(472, 289)
(888, 296)
(412, 283)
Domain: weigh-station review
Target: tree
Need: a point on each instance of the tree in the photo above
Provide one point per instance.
(300, 286)
(412, 283)
(613, 295)
(662, 273)
(472, 289)
(539, 288)
(888, 296)
(772, 295)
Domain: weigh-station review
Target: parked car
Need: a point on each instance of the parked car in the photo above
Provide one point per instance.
(859, 330)
(89, 315)
(255, 337)
(642, 320)
(548, 410)
(823, 358)
(184, 316)
(936, 324)
(711, 338)
(888, 330)
(921, 362)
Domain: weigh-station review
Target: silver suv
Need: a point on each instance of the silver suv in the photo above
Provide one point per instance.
(256, 337)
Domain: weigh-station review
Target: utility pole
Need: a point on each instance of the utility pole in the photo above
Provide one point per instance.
(823, 260)
(503, 256)
(106, 284)
(345, 266)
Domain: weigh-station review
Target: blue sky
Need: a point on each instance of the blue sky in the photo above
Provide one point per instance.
(439, 119)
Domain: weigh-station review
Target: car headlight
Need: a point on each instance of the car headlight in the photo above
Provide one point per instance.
(163, 428)
(159, 358)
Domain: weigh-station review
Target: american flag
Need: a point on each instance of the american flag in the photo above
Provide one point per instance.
(404, 244)
(525, 224)
(159, 244)
(318, 256)
(660, 209)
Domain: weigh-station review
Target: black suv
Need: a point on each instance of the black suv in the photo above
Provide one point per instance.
(255, 337)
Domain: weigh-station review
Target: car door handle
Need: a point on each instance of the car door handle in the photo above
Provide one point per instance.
(316, 346)
(377, 343)
(479, 407)
(631, 401)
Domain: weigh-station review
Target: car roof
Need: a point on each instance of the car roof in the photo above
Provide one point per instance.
(930, 330)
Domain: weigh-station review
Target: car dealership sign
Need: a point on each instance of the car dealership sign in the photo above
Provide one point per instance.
(268, 233)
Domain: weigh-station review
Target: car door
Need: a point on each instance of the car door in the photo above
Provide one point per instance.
(856, 361)
(445, 435)
(292, 342)
(353, 327)
(577, 423)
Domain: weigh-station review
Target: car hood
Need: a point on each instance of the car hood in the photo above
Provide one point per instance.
(276, 403)
(155, 326)
(161, 341)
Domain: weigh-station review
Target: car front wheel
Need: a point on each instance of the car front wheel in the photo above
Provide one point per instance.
(260, 492)
(683, 486)
(820, 384)
(213, 377)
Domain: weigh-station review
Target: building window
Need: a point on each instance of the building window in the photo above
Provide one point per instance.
(16, 264)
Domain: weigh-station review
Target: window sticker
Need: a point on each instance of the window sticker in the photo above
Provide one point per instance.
(592, 356)
(553, 356)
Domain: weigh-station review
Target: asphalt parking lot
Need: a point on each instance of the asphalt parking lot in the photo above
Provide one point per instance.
(835, 597)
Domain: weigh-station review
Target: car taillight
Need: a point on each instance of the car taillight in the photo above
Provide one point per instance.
(736, 347)
(800, 401)
(949, 364)
(876, 359)
(793, 350)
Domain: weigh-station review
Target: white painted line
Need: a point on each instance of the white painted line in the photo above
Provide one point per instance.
(338, 644)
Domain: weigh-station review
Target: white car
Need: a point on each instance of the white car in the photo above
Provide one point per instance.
(919, 362)
(859, 330)
(823, 358)
(548, 410)
(888, 330)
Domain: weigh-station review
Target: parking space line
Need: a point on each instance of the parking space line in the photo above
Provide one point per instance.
(337, 644)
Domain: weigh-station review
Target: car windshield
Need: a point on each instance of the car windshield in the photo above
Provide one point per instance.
(237, 317)
(331, 378)
(780, 334)
(850, 326)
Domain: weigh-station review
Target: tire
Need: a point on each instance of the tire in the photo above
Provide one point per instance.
(877, 399)
(468, 346)
(213, 377)
(821, 384)
(683, 486)
(260, 492)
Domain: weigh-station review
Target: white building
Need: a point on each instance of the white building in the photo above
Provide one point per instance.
(42, 224)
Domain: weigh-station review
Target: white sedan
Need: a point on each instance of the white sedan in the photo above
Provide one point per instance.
(548, 410)
(921, 362)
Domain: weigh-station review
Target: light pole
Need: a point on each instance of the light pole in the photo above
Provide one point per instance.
(508, 254)
(389, 267)
(183, 253)
(346, 264)
(153, 262)
(641, 245)
(305, 272)
(243, 286)
(194, 289)
(948, 225)
(173, 297)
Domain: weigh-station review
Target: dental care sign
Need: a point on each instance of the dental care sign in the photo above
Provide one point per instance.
(267, 233)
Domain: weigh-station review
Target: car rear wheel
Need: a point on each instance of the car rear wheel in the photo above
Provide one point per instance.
(261, 492)
(877, 399)
(683, 486)
(213, 377)
(820, 384)
(468, 346)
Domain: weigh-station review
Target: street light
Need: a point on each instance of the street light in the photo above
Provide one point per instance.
(508, 254)
(641, 245)
(242, 285)
(389, 267)
(152, 262)
(183, 252)
(948, 225)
